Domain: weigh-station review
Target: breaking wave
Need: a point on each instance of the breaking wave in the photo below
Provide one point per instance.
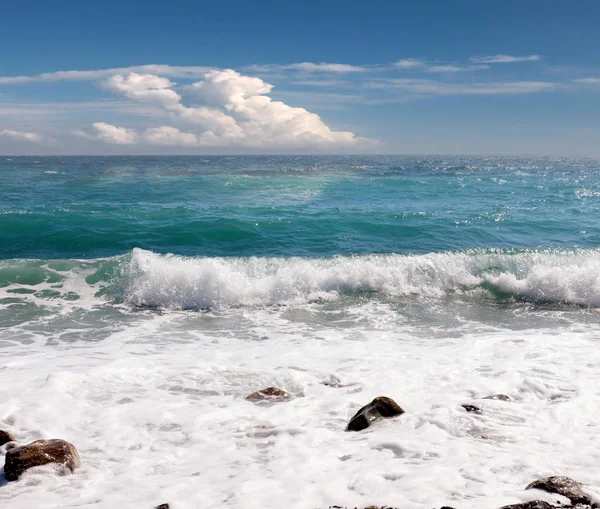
(178, 282)
(145, 278)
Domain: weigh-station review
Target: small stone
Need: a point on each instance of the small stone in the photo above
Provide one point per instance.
(501, 397)
(333, 381)
(38, 453)
(368, 507)
(472, 408)
(564, 486)
(162, 506)
(272, 394)
(536, 504)
(381, 407)
(6, 437)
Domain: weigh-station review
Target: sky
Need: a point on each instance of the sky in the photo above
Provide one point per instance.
(387, 77)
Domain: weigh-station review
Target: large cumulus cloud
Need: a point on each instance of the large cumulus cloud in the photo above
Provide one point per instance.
(226, 108)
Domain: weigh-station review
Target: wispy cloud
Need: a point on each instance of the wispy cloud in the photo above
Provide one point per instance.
(21, 136)
(588, 81)
(504, 59)
(191, 72)
(421, 65)
(321, 83)
(422, 87)
(455, 68)
(409, 63)
(309, 67)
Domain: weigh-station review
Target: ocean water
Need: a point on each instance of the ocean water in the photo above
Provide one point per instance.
(142, 298)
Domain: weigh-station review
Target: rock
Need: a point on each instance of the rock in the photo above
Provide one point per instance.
(6, 437)
(380, 407)
(564, 486)
(333, 381)
(501, 397)
(41, 452)
(272, 394)
(536, 504)
(472, 408)
(162, 506)
(368, 507)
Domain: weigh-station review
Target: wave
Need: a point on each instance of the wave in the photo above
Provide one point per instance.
(145, 278)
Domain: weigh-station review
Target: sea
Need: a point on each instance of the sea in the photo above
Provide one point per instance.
(143, 298)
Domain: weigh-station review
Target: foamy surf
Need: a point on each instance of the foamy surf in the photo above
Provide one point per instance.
(148, 279)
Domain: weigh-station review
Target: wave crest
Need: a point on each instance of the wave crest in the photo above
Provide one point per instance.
(170, 281)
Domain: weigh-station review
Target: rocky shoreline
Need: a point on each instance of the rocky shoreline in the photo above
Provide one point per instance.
(63, 456)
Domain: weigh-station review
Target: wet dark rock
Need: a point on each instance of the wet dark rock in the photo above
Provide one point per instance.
(501, 397)
(6, 437)
(381, 407)
(162, 506)
(41, 452)
(272, 394)
(536, 504)
(564, 486)
(472, 408)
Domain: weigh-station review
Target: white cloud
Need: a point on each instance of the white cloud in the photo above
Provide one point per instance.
(455, 68)
(440, 88)
(144, 88)
(309, 67)
(21, 136)
(170, 136)
(110, 134)
(320, 83)
(235, 110)
(409, 63)
(588, 81)
(221, 87)
(413, 63)
(504, 59)
(191, 72)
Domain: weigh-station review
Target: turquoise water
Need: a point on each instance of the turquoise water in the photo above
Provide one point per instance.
(197, 233)
(90, 207)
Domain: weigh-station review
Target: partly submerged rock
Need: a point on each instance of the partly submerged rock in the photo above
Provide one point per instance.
(162, 506)
(273, 394)
(501, 397)
(381, 407)
(38, 453)
(332, 381)
(472, 408)
(368, 507)
(564, 486)
(374, 507)
(6, 437)
(536, 504)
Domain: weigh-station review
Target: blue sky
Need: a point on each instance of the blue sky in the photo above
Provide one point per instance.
(511, 77)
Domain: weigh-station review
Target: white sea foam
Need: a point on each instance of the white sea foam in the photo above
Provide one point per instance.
(155, 399)
(158, 412)
(144, 278)
(195, 283)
